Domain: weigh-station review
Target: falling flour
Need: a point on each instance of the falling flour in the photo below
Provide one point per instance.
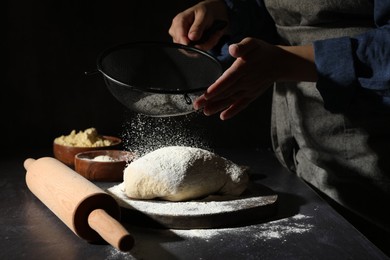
(142, 134)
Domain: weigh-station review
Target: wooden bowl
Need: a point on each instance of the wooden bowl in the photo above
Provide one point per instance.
(66, 154)
(89, 166)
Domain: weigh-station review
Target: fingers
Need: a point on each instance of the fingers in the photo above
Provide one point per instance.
(233, 74)
(213, 108)
(179, 28)
(197, 28)
(216, 105)
(210, 42)
(192, 26)
(226, 81)
(222, 92)
(188, 25)
(199, 102)
(229, 107)
(235, 108)
(243, 48)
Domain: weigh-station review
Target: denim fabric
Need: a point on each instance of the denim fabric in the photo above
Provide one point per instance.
(344, 154)
(335, 134)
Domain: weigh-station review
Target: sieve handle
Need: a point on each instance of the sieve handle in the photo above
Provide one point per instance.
(90, 73)
(187, 99)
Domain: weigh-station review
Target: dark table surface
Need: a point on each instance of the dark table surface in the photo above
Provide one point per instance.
(304, 227)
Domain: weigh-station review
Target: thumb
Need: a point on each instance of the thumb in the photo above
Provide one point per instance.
(242, 48)
(197, 28)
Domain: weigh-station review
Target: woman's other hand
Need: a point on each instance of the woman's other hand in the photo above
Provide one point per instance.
(257, 65)
(190, 25)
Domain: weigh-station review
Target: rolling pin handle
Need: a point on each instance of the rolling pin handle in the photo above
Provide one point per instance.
(110, 230)
(28, 162)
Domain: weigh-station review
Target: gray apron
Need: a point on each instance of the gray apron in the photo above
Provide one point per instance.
(344, 155)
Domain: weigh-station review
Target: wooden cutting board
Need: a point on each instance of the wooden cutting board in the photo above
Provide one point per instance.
(257, 204)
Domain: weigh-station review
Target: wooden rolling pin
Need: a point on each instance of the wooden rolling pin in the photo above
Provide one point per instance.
(86, 209)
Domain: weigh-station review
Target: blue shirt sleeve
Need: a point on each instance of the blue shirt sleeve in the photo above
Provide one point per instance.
(248, 18)
(350, 67)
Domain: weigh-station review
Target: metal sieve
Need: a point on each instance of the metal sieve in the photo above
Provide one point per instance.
(157, 78)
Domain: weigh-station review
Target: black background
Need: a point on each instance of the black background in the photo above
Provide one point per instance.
(49, 46)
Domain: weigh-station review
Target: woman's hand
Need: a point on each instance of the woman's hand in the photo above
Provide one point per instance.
(257, 65)
(189, 25)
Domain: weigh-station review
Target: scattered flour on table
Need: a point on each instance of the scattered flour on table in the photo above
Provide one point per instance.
(115, 254)
(279, 229)
(274, 230)
(210, 205)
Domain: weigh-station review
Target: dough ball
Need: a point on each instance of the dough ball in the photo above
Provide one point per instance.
(179, 173)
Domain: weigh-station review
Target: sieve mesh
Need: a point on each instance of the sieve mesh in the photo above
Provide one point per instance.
(156, 78)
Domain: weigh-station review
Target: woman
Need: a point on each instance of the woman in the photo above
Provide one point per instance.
(331, 99)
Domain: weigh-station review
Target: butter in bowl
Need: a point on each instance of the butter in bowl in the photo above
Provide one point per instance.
(66, 147)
